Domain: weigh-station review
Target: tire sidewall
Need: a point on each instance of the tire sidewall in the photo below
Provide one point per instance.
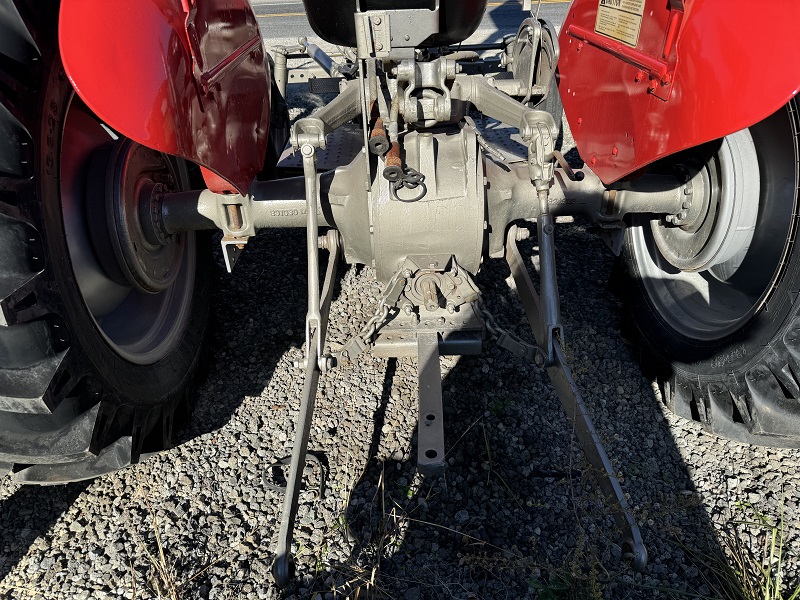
(137, 385)
(735, 353)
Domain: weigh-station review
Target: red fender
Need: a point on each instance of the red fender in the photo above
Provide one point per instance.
(185, 77)
(643, 79)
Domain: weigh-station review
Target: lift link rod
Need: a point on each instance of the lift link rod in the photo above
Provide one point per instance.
(315, 361)
(573, 404)
(313, 317)
(283, 566)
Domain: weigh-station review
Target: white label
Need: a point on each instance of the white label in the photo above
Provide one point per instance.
(620, 20)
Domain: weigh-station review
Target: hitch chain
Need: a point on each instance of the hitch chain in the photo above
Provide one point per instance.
(507, 340)
(366, 337)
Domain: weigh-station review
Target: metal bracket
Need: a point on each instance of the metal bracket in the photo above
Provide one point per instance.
(379, 32)
(459, 333)
(236, 226)
(232, 249)
(430, 439)
(613, 234)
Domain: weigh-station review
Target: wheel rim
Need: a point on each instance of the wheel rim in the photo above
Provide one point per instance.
(723, 294)
(140, 327)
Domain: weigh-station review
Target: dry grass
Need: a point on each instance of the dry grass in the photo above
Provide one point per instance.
(753, 572)
(162, 578)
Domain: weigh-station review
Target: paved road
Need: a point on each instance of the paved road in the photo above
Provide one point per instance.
(277, 17)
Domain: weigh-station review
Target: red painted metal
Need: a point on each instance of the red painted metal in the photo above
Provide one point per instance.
(701, 69)
(185, 77)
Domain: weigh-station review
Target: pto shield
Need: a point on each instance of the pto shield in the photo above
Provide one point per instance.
(643, 79)
(185, 77)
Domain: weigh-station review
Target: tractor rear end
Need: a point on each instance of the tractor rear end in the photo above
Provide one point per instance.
(108, 194)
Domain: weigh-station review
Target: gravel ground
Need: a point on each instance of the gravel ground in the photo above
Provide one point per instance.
(515, 515)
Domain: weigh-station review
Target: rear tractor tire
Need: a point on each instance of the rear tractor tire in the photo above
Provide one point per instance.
(100, 338)
(713, 291)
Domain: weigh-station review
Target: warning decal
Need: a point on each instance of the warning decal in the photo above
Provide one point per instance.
(620, 20)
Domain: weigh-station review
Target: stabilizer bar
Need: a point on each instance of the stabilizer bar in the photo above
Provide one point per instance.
(573, 404)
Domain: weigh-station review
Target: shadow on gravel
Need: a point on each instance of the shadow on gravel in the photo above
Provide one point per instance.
(517, 514)
(27, 515)
(259, 314)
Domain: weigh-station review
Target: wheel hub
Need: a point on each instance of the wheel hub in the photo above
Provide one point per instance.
(738, 244)
(127, 179)
(719, 213)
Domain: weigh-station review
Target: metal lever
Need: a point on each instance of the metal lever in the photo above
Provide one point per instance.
(573, 404)
(283, 566)
(551, 304)
(544, 314)
(313, 317)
